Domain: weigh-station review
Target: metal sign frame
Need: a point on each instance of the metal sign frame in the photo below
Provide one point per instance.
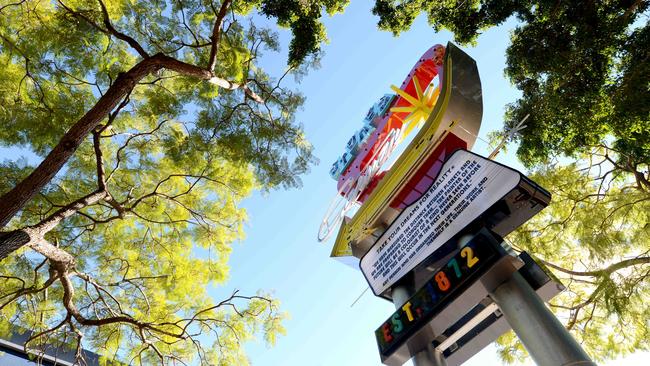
(458, 110)
(450, 281)
(471, 320)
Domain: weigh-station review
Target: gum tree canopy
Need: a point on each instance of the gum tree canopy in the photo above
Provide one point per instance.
(583, 68)
(153, 120)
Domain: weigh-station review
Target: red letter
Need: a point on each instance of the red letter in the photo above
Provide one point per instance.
(386, 330)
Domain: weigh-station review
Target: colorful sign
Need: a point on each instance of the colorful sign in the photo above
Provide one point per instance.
(419, 182)
(454, 122)
(391, 119)
(466, 187)
(360, 138)
(387, 123)
(445, 285)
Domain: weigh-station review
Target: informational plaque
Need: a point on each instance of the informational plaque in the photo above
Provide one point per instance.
(466, 187)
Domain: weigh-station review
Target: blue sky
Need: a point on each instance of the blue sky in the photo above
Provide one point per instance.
(281, 253)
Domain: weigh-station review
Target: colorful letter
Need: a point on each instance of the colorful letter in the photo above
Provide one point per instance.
(397, 323)
(386, 331)
(407, 309)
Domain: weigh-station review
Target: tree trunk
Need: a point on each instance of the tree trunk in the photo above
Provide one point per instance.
(34, 238)
(14, 200)
(57, 256)
(12, 241)
(34, 235)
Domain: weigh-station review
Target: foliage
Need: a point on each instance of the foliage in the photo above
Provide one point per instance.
(583, 68)
(154, 120)
(595, 237)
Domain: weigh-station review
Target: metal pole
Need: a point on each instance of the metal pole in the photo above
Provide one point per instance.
(545, 338)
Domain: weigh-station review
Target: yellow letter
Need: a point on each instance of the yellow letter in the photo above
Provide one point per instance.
(407, 309)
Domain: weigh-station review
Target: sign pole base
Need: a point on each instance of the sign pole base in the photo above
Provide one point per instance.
(545, 338)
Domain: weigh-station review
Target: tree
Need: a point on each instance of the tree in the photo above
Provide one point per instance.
(583, 68)
(154, 120)
(594, 236)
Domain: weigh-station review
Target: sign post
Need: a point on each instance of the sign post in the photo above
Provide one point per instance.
(426, 357)
(449, 294)
(546, 339)
(430, 356)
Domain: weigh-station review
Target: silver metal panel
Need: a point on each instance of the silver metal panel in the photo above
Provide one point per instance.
(466, 99)
(487, 336)
(545, 287)
(454, 311)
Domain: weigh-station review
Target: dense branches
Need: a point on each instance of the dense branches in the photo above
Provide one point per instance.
(154, 120)
(95, 25)
(145, 285)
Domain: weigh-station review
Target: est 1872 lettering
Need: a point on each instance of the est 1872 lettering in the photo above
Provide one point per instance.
(428, 300)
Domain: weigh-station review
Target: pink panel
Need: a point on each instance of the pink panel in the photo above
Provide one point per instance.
(412, 197)
(424, 184)
(435, 168)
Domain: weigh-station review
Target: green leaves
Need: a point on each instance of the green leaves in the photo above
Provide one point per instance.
(303, 18)
(565, 64)
(582, 67)
(594, 236)
(464, 18)
(169, 147)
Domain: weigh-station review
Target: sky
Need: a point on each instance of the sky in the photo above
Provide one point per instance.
(281, 253)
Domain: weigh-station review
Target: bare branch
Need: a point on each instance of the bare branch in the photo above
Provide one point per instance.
(101, 176)
(109, 30)
(11, 4)
(606, 271)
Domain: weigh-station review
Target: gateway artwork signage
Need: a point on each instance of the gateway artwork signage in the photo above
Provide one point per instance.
(466, 187)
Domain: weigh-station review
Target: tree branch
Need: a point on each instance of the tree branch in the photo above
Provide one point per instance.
(101, 175)
(109, 26)
(216, 33)
(12, 201)
(110, 30)
(606, 271)
(11, 4)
